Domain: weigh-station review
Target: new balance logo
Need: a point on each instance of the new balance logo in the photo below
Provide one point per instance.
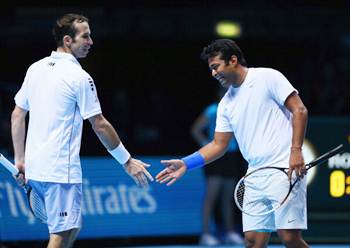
(62, 214)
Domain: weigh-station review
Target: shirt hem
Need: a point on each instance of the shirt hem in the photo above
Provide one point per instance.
(54, 180)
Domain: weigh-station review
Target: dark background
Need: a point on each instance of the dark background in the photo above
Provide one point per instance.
(146, 66)
(145, 60)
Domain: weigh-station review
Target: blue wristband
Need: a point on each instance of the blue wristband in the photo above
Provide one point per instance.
(195, 160)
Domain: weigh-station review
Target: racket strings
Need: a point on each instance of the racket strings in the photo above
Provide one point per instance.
(256, 194)
(245, 201)
(240, 194)
(37, 206)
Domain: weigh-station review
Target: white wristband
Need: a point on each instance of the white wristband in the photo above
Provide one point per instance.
(120, 154)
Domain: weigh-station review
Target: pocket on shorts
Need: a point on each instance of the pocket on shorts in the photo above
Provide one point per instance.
(75, 212)
(74, 217)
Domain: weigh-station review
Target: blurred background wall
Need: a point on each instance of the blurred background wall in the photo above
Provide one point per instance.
(145, 59)
(152, 84)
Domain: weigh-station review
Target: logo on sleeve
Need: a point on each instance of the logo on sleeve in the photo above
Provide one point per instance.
(91, 82)
(92, 87)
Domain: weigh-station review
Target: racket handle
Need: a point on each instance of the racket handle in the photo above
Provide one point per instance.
(325, 156)
(8, 165)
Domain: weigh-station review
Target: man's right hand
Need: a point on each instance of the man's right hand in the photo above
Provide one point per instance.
(175, 168)
(137, 171)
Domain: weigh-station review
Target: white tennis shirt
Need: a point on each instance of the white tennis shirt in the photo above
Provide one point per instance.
(58, 94)
(256, 114)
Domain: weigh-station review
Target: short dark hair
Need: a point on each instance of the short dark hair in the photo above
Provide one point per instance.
(65, 26)
(225, 48)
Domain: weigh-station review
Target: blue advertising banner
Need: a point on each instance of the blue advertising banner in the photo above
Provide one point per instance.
(113, 205)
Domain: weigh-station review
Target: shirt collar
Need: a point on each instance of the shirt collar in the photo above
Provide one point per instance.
(61, 55)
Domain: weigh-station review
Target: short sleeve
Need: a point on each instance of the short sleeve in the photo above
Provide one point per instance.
(222, 121)
(279, 87)
(87, 99)
(21, 98)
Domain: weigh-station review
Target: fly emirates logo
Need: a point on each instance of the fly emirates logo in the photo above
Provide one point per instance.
(98, 200)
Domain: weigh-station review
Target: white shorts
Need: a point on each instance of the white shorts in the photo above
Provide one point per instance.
(291, 215)
(63, 203)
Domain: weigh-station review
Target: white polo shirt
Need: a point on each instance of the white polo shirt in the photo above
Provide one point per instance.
(58, 94)
(256, 114)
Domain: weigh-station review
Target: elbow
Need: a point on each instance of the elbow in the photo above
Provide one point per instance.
(301, 112)
(98, 128)
(99, 125)
(16, 117)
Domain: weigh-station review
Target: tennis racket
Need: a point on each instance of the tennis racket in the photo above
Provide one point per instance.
(35, 202)
(256, 195)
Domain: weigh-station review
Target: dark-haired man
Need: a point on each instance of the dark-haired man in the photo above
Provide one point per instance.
(59, 95)
(266, 115)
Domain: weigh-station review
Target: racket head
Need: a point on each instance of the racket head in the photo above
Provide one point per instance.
(36, 204)
(8, 165)
(256, 194)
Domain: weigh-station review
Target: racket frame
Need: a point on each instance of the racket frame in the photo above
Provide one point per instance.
(319, 160)
(26, 188)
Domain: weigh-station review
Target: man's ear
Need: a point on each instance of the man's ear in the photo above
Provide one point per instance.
(67, 41)
(234, 60)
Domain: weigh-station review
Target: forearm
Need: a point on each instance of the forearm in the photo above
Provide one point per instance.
(299, 124)
(109, 138)
(212, 151)
(205, 155)
(107, 134)
(18, 132)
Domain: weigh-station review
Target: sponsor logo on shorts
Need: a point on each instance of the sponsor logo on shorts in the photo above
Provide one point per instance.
(290, 221)
(62, 214)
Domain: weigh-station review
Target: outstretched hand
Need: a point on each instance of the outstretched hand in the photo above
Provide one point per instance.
(136, 169)
(175, 168)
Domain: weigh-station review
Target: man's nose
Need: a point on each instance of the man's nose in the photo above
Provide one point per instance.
(90, 41)
(214, 73)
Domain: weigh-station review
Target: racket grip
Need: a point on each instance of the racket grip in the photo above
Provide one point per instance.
(8, 165)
